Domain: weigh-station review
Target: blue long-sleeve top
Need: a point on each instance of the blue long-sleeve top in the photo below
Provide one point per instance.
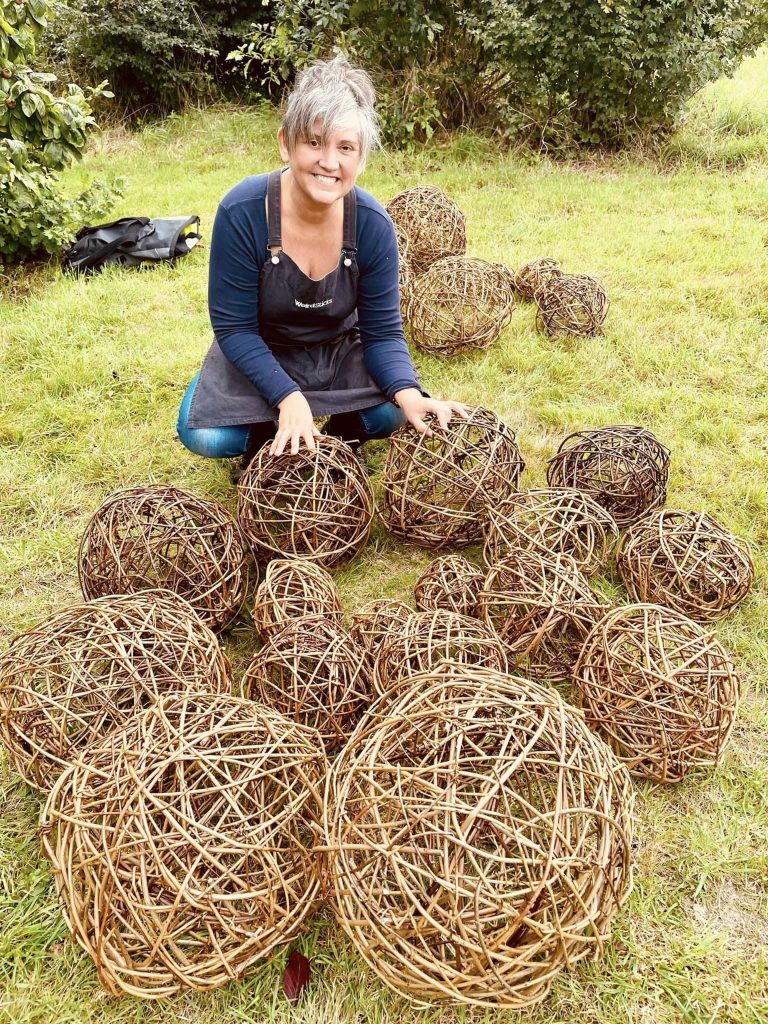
(238, 251)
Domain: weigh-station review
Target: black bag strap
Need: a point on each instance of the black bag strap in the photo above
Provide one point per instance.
(91, 229)
(85, 262)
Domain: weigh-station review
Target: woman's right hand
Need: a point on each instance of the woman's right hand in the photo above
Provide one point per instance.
(295, 424)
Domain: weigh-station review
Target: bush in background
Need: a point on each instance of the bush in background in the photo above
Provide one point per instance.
(558, 73)
(40, 134)
(158, 56)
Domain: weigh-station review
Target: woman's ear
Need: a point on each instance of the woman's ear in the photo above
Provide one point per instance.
(284, 154)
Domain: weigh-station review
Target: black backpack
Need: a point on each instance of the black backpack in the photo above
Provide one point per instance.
(130, 242)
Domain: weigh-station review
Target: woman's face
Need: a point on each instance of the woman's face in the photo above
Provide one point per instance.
(325, 173)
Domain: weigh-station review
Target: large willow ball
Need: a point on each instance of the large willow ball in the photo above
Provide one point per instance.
(451, 582)
(88, 669)
(460, 303)
(161, 536)
(431, 222)
(571, 304)
(687, 561)
(552, 521)
(436, 490)
(294, 588)
(480, 839)
(430, 637)
(315, 504)
(659, 688)
(183, 846)
(624, 468)
(375, 622)
(541, 609)
(313, 671)
(533, 275)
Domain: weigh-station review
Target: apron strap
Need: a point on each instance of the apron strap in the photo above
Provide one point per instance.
(275, 240)
(350, 222)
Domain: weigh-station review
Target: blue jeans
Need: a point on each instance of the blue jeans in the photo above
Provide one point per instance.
(230, 442)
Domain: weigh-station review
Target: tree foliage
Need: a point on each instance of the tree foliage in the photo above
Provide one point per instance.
(156, 55)
(40, 134)
(585, 71)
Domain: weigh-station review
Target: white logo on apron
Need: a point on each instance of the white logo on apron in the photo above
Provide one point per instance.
(313, 305)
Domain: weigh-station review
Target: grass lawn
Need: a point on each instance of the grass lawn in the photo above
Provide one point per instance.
(93, 372)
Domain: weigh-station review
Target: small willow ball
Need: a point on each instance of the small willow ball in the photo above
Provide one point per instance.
(571, 304)
(431, 222)
(436, 489)
(293, 588)
(183, 847)
(480, 839)
(552, 521)
(376, 622)
(533, 275)
(541, 609)
(687, 561)
(428, 638)
(625, 469)
(148, 537)
(88, 669)
(314, 504)
(451, 582)
(660, 690)
(313, 671)
(460, 303)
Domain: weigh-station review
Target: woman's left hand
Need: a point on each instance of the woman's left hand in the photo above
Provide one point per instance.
(415, 407)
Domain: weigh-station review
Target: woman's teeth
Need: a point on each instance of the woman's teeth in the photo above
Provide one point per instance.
(325, 180)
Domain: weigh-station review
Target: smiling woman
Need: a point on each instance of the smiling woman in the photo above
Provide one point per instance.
(303, 292)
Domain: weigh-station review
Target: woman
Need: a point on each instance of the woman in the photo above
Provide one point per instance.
(303, 293)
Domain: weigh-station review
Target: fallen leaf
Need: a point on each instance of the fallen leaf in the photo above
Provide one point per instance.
(296, 975)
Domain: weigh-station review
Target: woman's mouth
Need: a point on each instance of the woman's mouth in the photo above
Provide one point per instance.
(325, 179)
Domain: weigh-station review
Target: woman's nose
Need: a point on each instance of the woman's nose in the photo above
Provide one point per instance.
(329, 159)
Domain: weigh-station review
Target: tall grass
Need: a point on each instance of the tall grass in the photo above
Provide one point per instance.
(93, 371)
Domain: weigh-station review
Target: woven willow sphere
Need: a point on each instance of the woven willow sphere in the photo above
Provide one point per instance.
(534, 275)
(624, 469)
(405, 271)
(541, 609)
(460, 303)
(317, 505)
(428, 638)
(552, 522)
(314, 672)
(436, 490)
(183, 845)
(480, 839)
(88, 669)
(659, 688)
(571, 304)
(451, 582)
(431, 222)
(148, 537)
(375, 622)
(292, 589)
(687, 561)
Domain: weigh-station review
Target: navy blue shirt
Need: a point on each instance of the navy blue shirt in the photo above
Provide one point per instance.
(238, 251)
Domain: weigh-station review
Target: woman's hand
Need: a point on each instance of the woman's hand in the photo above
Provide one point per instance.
(295, 424)
(416, 407)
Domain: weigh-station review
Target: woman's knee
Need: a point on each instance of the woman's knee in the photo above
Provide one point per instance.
(210, 442)
(381, 420)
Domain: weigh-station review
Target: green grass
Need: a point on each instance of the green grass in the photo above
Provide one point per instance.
(93, 372)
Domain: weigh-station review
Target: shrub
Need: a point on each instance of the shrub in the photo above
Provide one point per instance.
(585, 71)
(157, 55)
(40, 134)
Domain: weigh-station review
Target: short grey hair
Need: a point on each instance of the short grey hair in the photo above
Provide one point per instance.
(330, 91)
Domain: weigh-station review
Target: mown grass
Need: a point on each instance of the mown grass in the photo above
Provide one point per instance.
(93, 372)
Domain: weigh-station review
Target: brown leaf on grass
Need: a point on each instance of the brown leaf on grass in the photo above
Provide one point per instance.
(295, 976)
